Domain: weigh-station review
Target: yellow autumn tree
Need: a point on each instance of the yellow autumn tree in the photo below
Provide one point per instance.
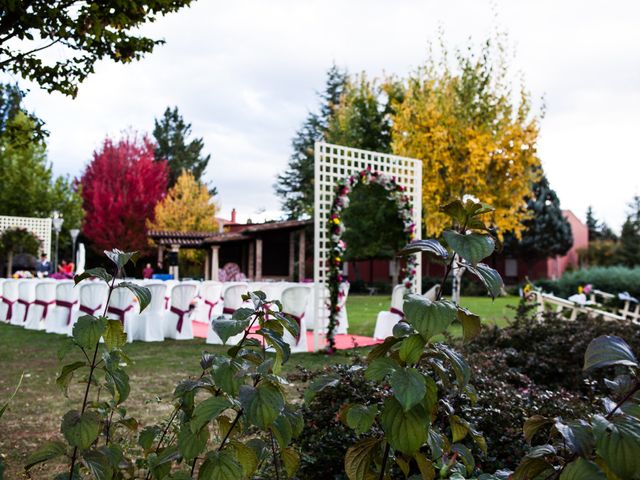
(473, 135)
(188, 206)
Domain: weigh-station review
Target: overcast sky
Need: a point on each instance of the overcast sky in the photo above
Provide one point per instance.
(245, 73)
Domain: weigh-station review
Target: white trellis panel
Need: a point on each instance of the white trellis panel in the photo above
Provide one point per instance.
(334, 163)
(40, 227)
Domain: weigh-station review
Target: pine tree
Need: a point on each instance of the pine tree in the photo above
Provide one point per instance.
(295, 185)
(171, 134)
(546, 232)
(592, 224)
(629, 248)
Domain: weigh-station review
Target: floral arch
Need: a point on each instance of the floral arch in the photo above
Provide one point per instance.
(337, 170)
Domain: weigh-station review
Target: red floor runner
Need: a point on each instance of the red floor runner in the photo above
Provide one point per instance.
(343, 342)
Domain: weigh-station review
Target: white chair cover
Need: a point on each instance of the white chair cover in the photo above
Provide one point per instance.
(210, 305)
(9, 300)
(65, 308)
(387, 320)
(167, 294)
(294, 302)
(231, 301)
(432, 293)
(41, 311)
(123, 306)
(92, 298)
(148, 325)
(177, 324)
(26, 297)
(343, 319)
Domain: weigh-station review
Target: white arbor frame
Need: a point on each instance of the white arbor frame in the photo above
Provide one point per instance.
(334, 163)
(40, 227)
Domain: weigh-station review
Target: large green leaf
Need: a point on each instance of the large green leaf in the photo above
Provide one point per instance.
(191, 443)
(431, 248)
(460, 366)
(143, 294)
(408, 387)
(242, 313)
(98, 464)
(114, 336)
(581, 469)
(220, 466)
(80, 430)
(405, 430)
(226, 328)
(533, 424)
(577, 436)
(98, 272)
(456, 211)
(291, 461)
(318, 384)
(120, 258)
(226, 378)
(361, 417)
(412, 348)
(358, 459)
(459, 428)
(471, 324)
(472, 247)
(208, 410)
(380, 368)
(490, 277)
(148, 436)
(118, 383)
(608, 350)
(282, 431)
(618, 443)
(247, 457)
(261, 404)
(275, 340)
(47, 451)
(66, 375)
(88, 330)
(427, 317)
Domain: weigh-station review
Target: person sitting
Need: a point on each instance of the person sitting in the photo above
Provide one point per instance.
(66, 268)
(43, 266)
(147, 272)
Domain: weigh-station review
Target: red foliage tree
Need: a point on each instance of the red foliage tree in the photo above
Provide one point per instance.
(120, 189)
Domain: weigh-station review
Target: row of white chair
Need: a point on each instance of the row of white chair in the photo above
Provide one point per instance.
(55, 306)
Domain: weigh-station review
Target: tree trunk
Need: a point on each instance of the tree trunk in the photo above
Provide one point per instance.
(395, 268)
(456, 283)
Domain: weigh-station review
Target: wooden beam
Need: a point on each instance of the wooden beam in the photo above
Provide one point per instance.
(252, 260)
(301, 255)
(207, 266)
(258, 259)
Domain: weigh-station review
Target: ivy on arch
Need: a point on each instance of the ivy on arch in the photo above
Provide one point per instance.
(337, 246)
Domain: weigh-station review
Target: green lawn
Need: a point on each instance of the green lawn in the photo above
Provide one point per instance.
(35, 413)
(363, 310)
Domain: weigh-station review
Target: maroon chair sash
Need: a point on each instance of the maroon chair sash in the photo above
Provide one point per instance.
(120, 312)
(89, 310)
(397, 312)
(166, 302)
(180, 314)
(228, 310)
(9, 307)
(67, 305)
(211, 307)
(26, 308)
(45, 307)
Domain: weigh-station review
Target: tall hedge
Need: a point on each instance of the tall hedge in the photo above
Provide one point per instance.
(609, 279)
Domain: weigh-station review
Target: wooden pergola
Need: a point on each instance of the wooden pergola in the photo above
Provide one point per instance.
(262, 251)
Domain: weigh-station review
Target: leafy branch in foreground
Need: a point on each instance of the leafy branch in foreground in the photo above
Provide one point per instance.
(416, 428)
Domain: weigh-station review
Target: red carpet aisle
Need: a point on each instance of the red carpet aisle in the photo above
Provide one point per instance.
(343, 342)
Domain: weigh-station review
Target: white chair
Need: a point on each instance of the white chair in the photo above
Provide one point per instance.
(211, 305)
(9, 299)
(122, 307)
(26, 297)
(148, 325)
(177, 324)
(294, 302)
(167, 294)
(64, 309)
(42, 309)
(342, 326)
(231, 301)
(387, 320)
(92, 298)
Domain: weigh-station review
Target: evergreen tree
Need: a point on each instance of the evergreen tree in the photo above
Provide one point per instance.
(629, 247)
(546, 232)
(592, 224)
(171, 134)
(295, 185)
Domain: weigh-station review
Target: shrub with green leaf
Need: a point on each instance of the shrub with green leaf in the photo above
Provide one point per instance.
(608, 279)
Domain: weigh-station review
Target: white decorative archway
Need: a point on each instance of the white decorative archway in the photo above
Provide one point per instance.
(40, 227)
(334, 163)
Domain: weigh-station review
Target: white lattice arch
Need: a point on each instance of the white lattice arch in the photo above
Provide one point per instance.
(333, 163)
(40, 227)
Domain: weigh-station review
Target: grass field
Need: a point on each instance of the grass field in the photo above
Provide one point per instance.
(35, 413)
